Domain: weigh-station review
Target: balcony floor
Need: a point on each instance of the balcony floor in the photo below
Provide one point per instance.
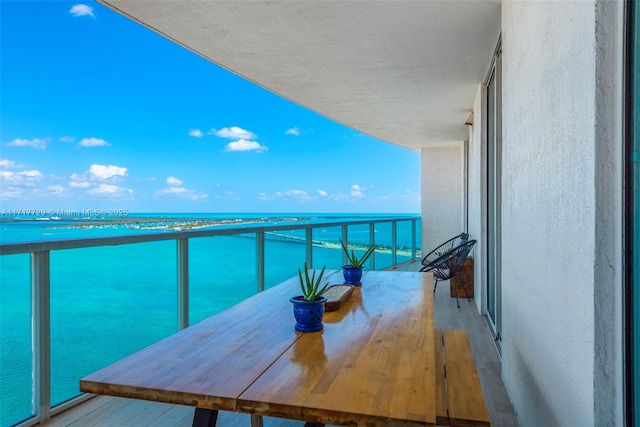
(103, 411)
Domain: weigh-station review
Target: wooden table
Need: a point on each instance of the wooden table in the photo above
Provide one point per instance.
(373, 364)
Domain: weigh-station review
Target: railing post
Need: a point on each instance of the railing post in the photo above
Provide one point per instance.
(183, 283)
(394, 241)
(260, 259)
(372, 241)
(41, 335)
(345, 239)
(308, 234)
(413, 239)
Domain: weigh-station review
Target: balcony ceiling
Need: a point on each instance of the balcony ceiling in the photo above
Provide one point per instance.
(405, 72)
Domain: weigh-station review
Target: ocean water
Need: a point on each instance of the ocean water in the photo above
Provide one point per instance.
(108, 302)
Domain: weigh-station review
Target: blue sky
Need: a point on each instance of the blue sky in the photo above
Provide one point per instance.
(98, 112)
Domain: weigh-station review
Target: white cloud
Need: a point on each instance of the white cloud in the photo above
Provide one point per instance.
(296, 193)
(81, 10)
(357, 191)
(81, 184)
(67, 138)
(293, 131)
(32, 174)
(176, 189)
(181, 192)
(300, 195)
(264, 196)
(93, 142)
(78, 181)
(18, 184)
(196, 133)
(56, 190)
(174, 181)
(245, 145)
(24, 177)
(171, 190)
(10, 192)
(8, 164)
(110, 190)
(323, 193)
(103, 172)
(37, 143)
(233, 132)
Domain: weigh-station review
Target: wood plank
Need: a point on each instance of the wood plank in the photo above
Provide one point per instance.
(200, 365)
(442, 415)
(372, 365)
(464, 392)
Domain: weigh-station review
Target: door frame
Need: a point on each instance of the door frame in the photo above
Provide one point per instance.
(495, 72)
(631, 286)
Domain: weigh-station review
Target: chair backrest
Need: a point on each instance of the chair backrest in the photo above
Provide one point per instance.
(460, 255)
(444, 248)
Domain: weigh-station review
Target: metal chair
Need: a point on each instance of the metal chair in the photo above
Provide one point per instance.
(443, 249)
(449, 264)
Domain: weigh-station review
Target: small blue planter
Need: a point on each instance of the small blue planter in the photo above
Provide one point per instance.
(308, 314)
(352, 275)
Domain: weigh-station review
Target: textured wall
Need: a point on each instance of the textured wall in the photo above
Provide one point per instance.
(442, 194)
(549, 210)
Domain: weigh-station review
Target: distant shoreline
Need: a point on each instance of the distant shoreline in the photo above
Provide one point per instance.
(184, 223)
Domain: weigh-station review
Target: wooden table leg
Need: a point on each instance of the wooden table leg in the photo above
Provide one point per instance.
(256, 421)
(204, 418)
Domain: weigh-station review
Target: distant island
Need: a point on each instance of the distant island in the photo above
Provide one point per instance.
(150, 223)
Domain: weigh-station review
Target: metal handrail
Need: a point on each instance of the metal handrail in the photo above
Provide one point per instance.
(40, 281)
(41, 246)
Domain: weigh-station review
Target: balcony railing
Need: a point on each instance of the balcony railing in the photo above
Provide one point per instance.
(300, 233)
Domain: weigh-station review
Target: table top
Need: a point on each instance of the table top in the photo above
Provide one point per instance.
(201, 365)
(373, 363)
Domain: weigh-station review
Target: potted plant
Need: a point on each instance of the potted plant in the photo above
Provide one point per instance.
(352, 271)
(308, 308)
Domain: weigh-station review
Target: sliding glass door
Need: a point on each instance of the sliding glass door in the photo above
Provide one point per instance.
(494, 174)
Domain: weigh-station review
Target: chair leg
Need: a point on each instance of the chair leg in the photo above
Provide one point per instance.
(435, 286)
(464, 288)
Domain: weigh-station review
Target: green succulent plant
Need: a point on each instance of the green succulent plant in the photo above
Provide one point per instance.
(353, 260)
(311, 290)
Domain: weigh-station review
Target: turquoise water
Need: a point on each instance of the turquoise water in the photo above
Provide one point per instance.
(108, 302)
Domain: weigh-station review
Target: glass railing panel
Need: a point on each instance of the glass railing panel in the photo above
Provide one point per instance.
(383, 245)
(222, 272)
(419, 253)
(358, 237)
(15, 339)
(403, 241)
(107, 302)
(326, 247)
(284, 254)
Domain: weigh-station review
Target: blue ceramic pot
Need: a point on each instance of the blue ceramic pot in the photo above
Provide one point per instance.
(352, 275)
(308, 314)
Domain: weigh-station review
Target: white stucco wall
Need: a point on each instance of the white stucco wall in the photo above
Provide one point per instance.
(549, 210)
(442, 194)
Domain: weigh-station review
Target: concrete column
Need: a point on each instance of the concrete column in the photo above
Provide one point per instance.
(442, 194)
